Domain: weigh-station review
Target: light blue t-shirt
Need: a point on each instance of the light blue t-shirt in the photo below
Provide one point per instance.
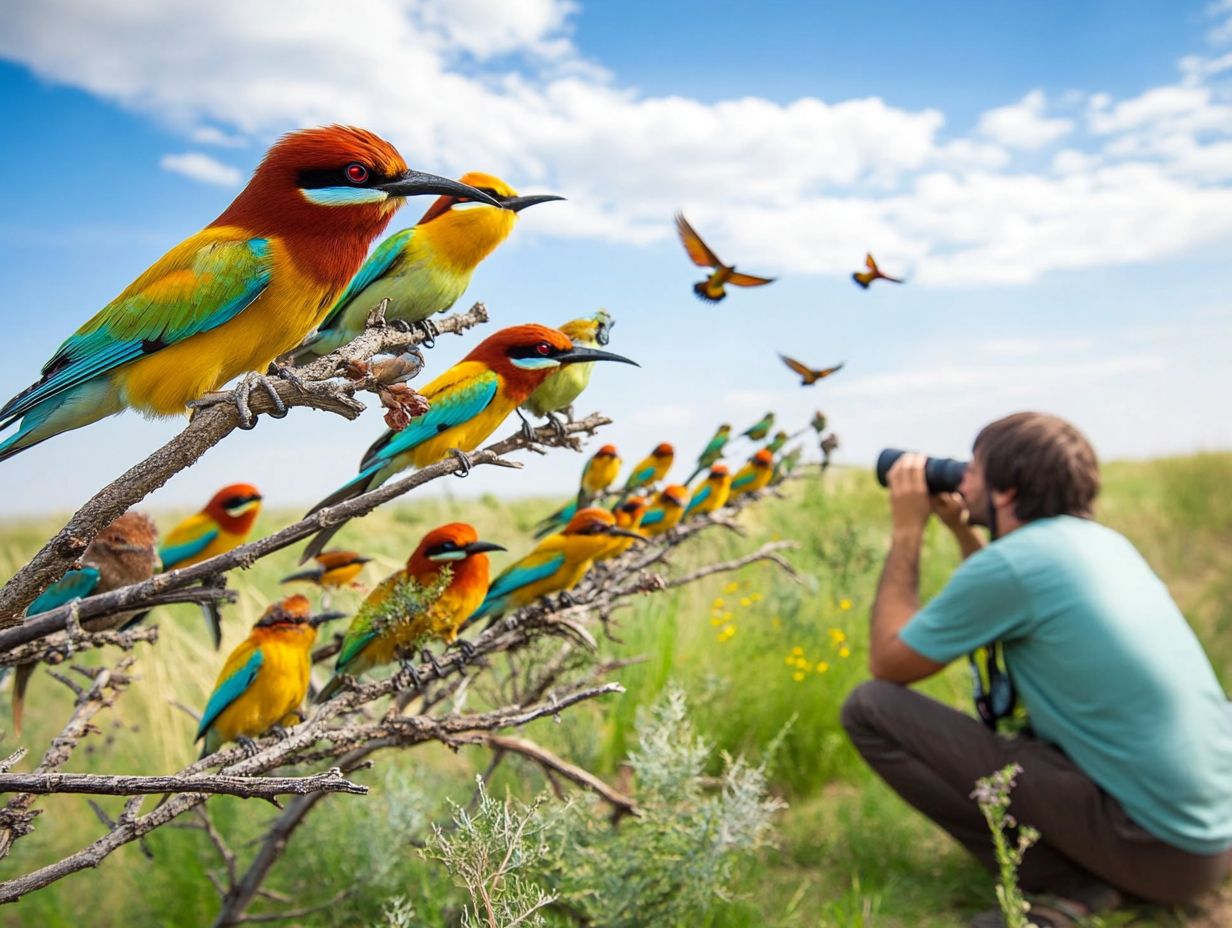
(1106, 665)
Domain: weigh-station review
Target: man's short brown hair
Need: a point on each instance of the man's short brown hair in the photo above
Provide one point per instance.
(1046, 460)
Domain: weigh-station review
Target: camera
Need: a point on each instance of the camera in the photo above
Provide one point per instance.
(943, 475)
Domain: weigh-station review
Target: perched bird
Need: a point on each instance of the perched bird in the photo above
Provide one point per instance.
(712, 494)
(651, 469)
(265, 679)
(778, 441)
(468, 402)
(712, 452)
(333, 570)
(711, 289)
(445, 578)
(784, 466)
(818, 422)
(229, 299)
(598, 474)
(864, 278)
(565, 385)
(754, 475)
(829, 445)
(809, 375)
(121, 554)
(424, 269)
(665, 511)
(628, 515)
(224, 523)
(555, 565)
(761, 429)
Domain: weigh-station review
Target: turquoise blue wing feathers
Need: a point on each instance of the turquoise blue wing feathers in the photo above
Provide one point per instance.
(76, 584)
(229, 276)
(515, 578)
(173, 555)
(384, 260)
(451, 407)
(229, 690)
(652, 517)
(699, 497)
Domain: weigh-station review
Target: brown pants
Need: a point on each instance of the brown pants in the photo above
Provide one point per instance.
(931, 755)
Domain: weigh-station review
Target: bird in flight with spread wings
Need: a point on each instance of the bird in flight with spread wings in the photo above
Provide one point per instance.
(809, 375)
(712, 288)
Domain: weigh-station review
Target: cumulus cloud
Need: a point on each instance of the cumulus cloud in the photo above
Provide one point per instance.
(203, 168)
(1023, 124)
(804, 186)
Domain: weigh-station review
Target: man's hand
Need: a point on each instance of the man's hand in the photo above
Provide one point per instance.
(910, 506)
(952, 510)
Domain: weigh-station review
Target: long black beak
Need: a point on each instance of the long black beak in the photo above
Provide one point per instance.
(477, 547)
(517, 204)
(414, 183)
(578, 353)
(627, 533)
(322, 617)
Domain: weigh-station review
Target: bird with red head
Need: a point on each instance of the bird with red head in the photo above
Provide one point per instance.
(468, 402)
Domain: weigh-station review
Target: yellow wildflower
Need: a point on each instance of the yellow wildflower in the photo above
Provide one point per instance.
(731, 587)
(745, 601)
(837, 636)
(844, 651)
(844, 603)
(755, 597)
(822, 666)
(797, 650)
(718, 603)
(797, 676)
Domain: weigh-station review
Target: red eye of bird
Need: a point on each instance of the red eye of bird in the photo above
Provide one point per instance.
(356, 173)
(544, 349)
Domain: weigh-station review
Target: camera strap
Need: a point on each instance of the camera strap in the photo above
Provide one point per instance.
(991, 687)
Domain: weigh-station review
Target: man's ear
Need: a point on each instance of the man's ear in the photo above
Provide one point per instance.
(1003, 498)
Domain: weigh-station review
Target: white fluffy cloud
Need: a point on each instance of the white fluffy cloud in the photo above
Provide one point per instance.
(202, 167)
(1023, 124)
(804, 186)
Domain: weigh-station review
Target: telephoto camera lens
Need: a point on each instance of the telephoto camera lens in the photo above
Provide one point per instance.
(943, 475)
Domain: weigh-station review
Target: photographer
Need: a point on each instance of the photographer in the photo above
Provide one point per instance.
(1128, 766)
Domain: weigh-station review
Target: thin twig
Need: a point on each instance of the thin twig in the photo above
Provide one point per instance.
(98, 784)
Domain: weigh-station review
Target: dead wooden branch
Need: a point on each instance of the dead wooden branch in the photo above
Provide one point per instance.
(331, 781)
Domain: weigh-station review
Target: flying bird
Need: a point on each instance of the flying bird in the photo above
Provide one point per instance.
(809, 375)
(121, 554)
(265, 679)
(424, 269)
(711, 289)
(557, 563)
(445, 578)
(565, 385)
(864, 278)
(229, 299)
(468, 403)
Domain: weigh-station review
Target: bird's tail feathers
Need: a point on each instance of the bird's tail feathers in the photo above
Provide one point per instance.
(21, 679)
(365, 481)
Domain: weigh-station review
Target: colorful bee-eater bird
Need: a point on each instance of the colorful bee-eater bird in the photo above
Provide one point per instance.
(818, 422)
(809, 375)
(468, 402)
(651, 469)
(711, 289)
(864, 278)
(424, 269)
(563, 386)
(121, 554)
(784, 466)
(761, 429)
(224, 523)
(557, 564)
(778, 441)
(754, 475)
(665, 511)
(712, 494)
(333, 570)
(231, 298)
(628, 516)
(444, 580)
(265, 679)
(599, 473)
(712, 452)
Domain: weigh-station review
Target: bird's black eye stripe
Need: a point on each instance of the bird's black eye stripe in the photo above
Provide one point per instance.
(537, 350)
(443, 548)
(341, 176)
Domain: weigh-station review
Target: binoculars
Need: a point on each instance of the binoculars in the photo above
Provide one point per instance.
(943, 475)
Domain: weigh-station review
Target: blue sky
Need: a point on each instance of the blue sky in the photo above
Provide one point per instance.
(1053, 177)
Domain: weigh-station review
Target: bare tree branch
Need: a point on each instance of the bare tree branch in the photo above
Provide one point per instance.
(207, 428)
(331, 781)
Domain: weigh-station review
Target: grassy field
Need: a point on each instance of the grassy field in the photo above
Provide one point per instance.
(759, 657)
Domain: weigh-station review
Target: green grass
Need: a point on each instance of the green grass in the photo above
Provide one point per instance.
(848, 853)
